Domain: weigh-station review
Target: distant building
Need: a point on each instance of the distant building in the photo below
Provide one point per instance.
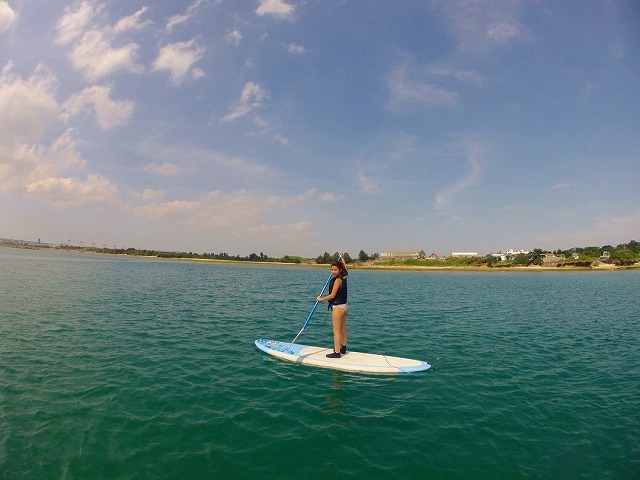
(402, 254)
(509, 254)
(464, 254)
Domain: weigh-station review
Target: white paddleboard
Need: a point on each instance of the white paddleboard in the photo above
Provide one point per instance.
(351, 361)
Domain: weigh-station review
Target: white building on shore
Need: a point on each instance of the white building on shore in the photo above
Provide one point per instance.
(509, 254)
(402, 254)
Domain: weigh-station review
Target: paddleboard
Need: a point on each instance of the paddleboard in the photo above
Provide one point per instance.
(351, 361)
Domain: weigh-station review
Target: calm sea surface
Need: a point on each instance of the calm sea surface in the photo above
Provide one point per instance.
(124, 368)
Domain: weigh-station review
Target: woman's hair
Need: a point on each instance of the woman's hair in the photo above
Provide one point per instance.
(339, 265)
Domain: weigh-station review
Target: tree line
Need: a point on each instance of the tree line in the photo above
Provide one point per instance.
(624, 254)
(253, 257)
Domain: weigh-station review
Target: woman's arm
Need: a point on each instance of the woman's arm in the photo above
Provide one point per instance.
(344, 263)
(334, 291)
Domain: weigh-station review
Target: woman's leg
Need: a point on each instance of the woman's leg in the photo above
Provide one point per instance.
(338, 318)
(343, 330)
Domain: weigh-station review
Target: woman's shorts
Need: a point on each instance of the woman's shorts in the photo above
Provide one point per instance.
(343, 306)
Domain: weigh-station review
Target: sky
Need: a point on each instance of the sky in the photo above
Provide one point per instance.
(295, 127)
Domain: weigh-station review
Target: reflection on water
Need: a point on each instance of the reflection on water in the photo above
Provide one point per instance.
(335, 399)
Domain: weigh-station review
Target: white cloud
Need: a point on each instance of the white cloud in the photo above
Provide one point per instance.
(132, 22)
(251, 98)
(95, 56)
(233, 36)
(177, 59)
(95, 191)
(166, 169)
(90, 38)
(21, 164)
(239, 209)
(266, 129)
(27, 107)
(563, 185)
(503, 31)
(333, 197)
(463, 76)
(148, 195)
(280, 230)
(74, 21)
(480, 25)
(7, 16)
(406, 90)
(110, 113)
(276, 8)
(296, 49)
(183, 17)
(197, 73)
(474, 152)
(183, 158)
(29, 165)
(168, 209)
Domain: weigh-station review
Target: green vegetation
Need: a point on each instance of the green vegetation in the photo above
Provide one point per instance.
(326, 258)
(623, 255)
(254, 257)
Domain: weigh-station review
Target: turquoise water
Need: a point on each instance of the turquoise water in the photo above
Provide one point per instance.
(124, 368)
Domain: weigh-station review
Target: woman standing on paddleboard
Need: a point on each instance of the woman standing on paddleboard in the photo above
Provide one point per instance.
(337, 299)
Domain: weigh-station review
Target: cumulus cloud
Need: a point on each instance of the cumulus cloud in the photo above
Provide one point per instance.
(251, 98)
(276, 8)
(178, 58)
(51, 171)
(7, 16)
(94, 191)
(75, 20)
(110, 113)
(54, 174)
(27, 107)
(84, 29)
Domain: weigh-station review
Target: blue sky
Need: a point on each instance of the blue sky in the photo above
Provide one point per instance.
(298, 127)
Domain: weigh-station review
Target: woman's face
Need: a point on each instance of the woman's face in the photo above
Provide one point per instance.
(334, 270)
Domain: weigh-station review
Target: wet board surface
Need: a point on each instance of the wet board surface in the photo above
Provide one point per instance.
(351, 361)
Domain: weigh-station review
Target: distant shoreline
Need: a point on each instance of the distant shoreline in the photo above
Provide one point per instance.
(367, 265)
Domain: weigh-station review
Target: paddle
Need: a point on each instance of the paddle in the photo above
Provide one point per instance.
(313, 309)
